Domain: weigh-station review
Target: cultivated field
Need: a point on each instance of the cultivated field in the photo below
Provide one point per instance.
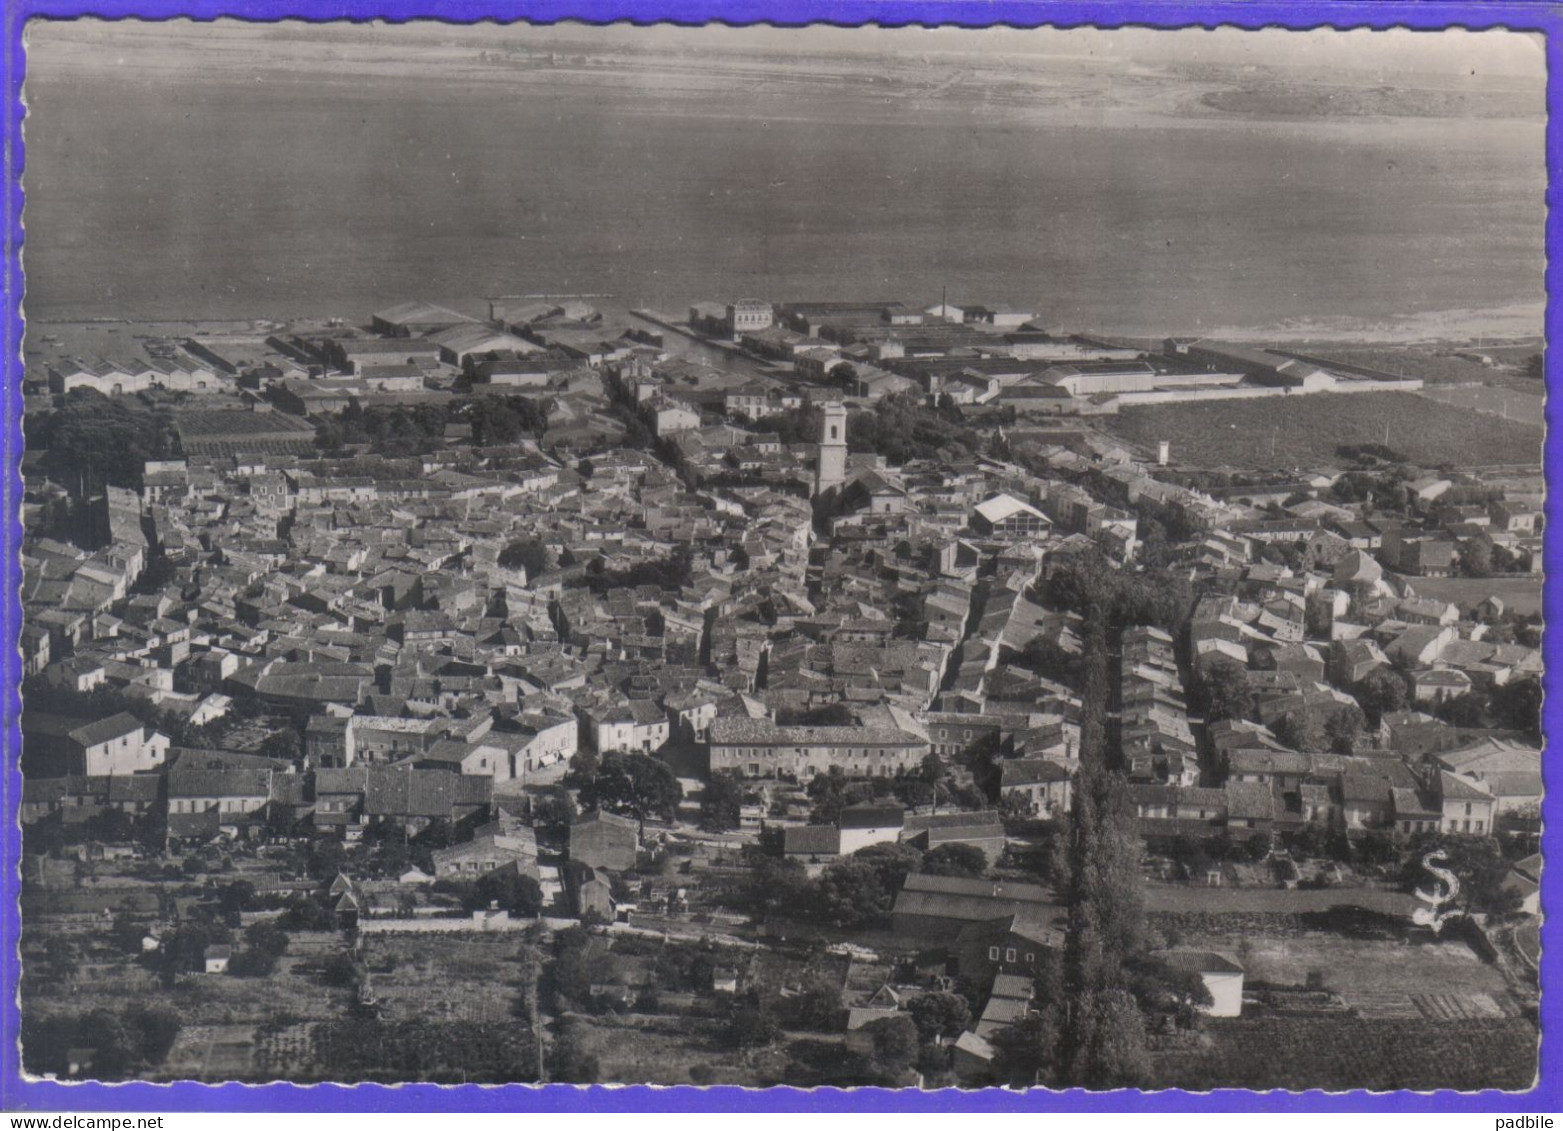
(1344, 1053)
(640, 1049)
(431, 991)
(1271, 900)
(453, 977)
(1305, 431)
(1342, 1009)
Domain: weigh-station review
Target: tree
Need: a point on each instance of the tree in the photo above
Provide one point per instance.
(104, 1033)
(341, 971)
(267, 938)
(836, 714)
(1516, 705)
(1476, 557)
(1302, 730)
(326, 857)
(828, 791)
(1191, 853)
(281, 744)
(1380, 692)
(1049, 660)
(776, 887)
(520, 895)
(1536, 367)
(584, 765)
(568, 1060)
(252, 963)
(1026, 1052)
(634, 785)
(912, 791)
(1220, 689)
(1155, 548)
(1378, 846)
(62, 961)
(843, 375)
(1479, 863)
(553, 807)
(153, 1030)
(97, 440)
(955, 860)
(892, 863)
(1259, 846)
(306, 914)
(1167, 990)
(1470, 709)
(1342, 728)
(1102, 1040)
(569, 976)
(895, 1043)
(184, 948)
(528, 554)
(817, 1004)
(127, 934)
(932, 769)
(1112, 1054)
(494, 421)
(510, 889)
(851, 895)
(940, 1014)
(752, 1024)
(234, 898)
(721, 804)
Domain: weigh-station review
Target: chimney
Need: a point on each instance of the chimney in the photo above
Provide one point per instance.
(1163, 453)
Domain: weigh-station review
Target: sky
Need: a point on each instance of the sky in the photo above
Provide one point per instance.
(1398, 51)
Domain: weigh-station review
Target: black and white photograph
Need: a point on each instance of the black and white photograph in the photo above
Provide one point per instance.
(827, 556)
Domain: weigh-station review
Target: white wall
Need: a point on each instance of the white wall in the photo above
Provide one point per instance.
(1226, 992)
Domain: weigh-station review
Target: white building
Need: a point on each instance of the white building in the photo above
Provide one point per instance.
(636, 726)
(1222, 976)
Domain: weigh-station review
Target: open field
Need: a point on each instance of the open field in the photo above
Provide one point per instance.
(1434, 365)
(1305, 431)
(1270, 900)
(1521, 594)
(1525, 407)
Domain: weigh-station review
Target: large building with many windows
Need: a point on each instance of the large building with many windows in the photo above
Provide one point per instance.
(759, 748)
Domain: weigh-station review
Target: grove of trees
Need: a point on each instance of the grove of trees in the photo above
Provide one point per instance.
(101, 440)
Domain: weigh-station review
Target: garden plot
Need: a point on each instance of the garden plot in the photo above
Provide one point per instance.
(1377, 978)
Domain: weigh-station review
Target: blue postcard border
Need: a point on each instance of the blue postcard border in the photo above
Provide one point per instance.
(20, 1094)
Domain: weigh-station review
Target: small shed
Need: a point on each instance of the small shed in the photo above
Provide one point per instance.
(972, 1058)
(217, 957)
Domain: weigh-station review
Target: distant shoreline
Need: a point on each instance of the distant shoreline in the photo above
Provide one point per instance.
(1515, 325)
